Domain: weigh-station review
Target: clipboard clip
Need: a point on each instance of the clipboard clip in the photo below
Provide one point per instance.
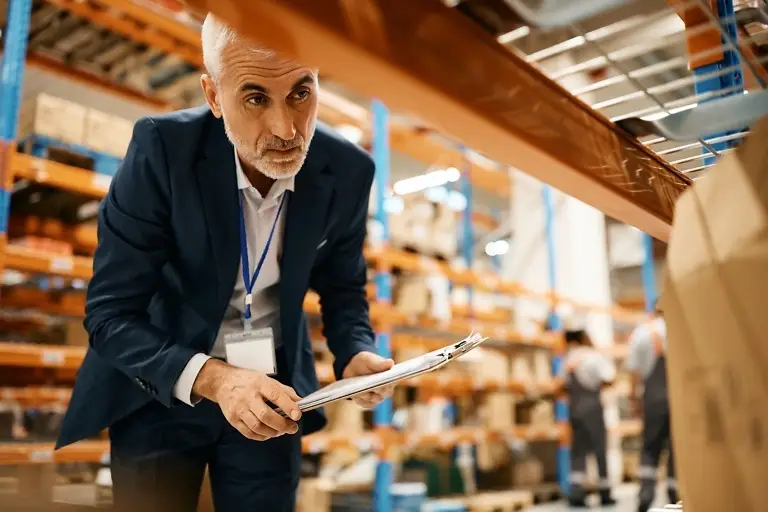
(463, 346)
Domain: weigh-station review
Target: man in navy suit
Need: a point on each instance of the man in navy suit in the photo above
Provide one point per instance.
(218, 222)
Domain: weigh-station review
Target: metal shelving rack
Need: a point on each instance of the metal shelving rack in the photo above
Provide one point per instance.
(709, 81)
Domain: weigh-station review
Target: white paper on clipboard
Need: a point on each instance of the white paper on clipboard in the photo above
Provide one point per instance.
(348, 388)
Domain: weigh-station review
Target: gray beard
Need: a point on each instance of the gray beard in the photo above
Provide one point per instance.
(249, 156)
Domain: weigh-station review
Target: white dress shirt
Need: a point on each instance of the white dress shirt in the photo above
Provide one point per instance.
(259, 214)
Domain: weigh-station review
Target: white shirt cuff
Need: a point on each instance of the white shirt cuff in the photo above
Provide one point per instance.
(182, 389)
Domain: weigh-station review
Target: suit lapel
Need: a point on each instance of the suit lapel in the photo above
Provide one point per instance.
(305, 222)
(218, 188)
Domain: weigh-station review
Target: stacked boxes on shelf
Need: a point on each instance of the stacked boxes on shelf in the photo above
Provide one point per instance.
(47, 122)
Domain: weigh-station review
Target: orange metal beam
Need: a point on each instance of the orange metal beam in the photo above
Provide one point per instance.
(29, 355)
(43, 453)
(93, 81)
(422, 57)
(52, 302)
(139, 24)
(699, 38)
(37, 262)
(65, 177)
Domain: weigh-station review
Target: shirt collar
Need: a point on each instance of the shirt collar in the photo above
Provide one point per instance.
(243, 183)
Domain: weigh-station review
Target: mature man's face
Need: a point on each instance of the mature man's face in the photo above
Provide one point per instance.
(269, 107)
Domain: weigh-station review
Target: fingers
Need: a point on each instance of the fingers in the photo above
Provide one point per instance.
(378, 364)
(246, 431)
(257, 427)
(273, 391)
(291, 393)
(270, 418)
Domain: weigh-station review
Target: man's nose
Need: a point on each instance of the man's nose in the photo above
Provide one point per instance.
(280, 122)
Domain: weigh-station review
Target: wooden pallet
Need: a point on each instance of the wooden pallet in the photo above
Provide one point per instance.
(502, 501)
(546, 493)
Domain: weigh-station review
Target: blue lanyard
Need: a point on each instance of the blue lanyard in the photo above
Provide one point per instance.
(249, 280)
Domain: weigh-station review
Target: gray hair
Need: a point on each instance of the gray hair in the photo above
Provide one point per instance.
(215, 36)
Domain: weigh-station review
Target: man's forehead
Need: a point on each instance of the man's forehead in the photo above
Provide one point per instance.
(242, 59)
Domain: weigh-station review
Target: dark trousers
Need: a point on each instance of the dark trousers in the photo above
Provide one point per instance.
(656, 436)
(589, 436)
(159, 456)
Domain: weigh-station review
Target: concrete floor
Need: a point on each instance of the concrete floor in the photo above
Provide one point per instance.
(626, 495)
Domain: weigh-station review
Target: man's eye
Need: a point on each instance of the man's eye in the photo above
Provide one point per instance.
(257, 100)
(301, 95)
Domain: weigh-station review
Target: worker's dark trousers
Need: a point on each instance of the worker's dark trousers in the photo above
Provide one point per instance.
(656, 437)
(589, 436)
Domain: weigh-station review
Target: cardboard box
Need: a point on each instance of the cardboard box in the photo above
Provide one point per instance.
(412, 295)
(314, 495)
(498, 411)
(53, 117)
(528, 473)
(714, 305)
(106, 133)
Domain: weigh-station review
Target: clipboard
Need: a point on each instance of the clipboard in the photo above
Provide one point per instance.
(348, 388)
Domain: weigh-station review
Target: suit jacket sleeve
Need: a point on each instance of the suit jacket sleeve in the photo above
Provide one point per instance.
(340, 283)
(135, 242)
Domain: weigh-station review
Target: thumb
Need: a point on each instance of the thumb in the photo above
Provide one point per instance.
(376, 363)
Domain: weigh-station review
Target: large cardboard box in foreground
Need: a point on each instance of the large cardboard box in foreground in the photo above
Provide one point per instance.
(715, 302)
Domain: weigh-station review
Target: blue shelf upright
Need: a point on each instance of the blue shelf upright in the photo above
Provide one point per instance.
(11, 79)
(710, 78)
(382, 415)
(555, 324)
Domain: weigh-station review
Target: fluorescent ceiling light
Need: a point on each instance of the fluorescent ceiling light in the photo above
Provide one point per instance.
(425, 181)
(662, 115)
(456, 201)
(514, 35)
(497, 248)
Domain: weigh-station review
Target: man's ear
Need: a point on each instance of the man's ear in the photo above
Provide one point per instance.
(211, 95)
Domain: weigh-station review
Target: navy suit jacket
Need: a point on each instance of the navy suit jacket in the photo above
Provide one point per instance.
(168, 254)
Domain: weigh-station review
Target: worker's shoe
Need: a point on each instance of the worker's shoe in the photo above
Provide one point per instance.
(606, 500)
(577, 503)
(673, 496)
(644, 507)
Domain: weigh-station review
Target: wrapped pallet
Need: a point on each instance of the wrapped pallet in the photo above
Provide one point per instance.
(49, 116)
(714, 306)
(106, 133)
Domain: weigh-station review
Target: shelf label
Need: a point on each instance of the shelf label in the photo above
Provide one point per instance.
(41, 456)
(101, 181)
(52, 357)
(62, 264)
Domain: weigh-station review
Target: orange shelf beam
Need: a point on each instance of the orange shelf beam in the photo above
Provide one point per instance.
(29, 355)
(36, 396)
(65, 177)
(43, 453)
(138, 24)
(37, 262)
(65, 303)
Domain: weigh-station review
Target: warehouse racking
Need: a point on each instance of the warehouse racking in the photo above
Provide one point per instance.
(637, 202)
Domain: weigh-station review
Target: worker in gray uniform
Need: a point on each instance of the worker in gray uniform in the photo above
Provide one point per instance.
(646, 362)
(587, 372)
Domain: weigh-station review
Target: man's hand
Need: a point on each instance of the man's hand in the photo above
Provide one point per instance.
(367, 363)
(243, 396)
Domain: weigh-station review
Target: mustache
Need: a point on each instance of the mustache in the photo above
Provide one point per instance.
(276, 143)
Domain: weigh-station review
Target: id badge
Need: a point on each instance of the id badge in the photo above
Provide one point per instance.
(252, 350)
